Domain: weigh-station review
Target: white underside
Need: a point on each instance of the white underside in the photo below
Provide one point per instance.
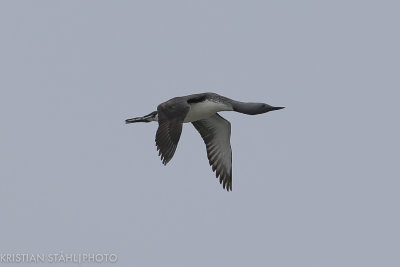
(204, 110)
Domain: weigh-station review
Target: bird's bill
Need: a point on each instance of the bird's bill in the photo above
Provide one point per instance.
(276, 108)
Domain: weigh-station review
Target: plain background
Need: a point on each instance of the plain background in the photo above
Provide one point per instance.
(315, 184)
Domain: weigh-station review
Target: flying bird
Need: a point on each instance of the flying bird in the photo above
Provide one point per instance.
(202, 111)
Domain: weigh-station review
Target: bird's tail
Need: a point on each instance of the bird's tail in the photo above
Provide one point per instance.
(148, 118)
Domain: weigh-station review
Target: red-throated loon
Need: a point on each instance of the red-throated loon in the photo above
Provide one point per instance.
(201, 110)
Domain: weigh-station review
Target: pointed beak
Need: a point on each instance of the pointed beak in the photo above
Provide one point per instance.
(275, 108)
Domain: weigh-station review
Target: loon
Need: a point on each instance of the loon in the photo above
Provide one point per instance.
(202, 111)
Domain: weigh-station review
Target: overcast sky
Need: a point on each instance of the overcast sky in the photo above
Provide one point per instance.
(315, 184)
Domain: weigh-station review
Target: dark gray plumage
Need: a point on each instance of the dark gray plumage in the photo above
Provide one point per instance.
(216, 133)
(201, 110)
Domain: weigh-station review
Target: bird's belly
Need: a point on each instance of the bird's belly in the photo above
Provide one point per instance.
(204, 110)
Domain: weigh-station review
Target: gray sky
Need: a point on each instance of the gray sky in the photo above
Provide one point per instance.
(315, 184)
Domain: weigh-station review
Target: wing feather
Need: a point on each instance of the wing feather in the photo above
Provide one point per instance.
(171, 115)
(216, 133)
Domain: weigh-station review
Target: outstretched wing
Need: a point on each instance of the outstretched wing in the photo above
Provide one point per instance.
(216, 133)
(170, 118)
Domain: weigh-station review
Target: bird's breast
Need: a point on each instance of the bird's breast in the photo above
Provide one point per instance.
(204, 110)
